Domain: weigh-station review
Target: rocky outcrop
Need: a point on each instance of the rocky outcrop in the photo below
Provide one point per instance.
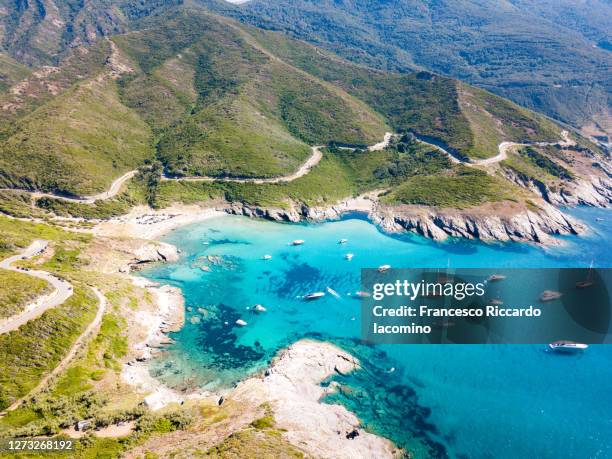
(596, 191)
(292, 388)
(525, 225)
(155, 251)
(505, 221)
(299, 212)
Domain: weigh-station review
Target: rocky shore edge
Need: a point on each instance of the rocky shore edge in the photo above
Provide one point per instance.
(501, 222)
(292, 388)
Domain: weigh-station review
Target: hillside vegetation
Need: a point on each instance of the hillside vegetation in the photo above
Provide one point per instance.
(11, 72)
(18, 290)
(551, 56)
(461, 116)
(194, 94)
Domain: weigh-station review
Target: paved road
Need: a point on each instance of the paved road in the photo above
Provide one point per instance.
(62, 289)
(90, 331)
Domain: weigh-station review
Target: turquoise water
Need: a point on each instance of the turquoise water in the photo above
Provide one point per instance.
(496, 401)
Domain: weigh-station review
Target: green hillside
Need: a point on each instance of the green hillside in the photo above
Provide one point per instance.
(547, 55)
(245, 113)
(11, 72)
(76, 144)
(469, 120)
(204, 95)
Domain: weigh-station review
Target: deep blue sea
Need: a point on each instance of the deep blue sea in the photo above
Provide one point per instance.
(464, 401)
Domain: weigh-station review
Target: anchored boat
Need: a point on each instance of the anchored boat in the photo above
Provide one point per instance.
(314, 296)
(496, 277)
(567, 346)
(550, 295)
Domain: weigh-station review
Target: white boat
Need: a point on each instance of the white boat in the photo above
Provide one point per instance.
(342, 241)
(496, 277)
(297, 242)
(314, 296)
(241, 322)
(259, 308)
(383, 268)
(567, 346)
(362, 294)
(332, 292)
(550, 295)
(266, 257)
(349, 256)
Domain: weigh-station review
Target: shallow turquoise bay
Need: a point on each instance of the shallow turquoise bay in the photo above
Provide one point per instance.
(476, 401)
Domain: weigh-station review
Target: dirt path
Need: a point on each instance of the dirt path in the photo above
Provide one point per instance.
(113, 191)
(91, 329)
(304, 169)
(503, 148)
(62, 289)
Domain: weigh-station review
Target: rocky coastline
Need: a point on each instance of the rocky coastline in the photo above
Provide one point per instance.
(595, 192)
(292, 388)
(502, 222)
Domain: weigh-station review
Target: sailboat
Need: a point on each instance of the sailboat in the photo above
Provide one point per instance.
(589, 280)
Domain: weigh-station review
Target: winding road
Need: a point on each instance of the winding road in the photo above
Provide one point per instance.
(304, 169)
(80, 342)
(62, 289)
(503, 150)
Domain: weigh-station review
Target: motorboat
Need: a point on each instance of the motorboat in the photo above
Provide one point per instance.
(259, 308)
(349, 256)
(297, 242)
(314, 296)
(550, 295)
(496, 277)
(241, 322)
(266, 257)
(567, 346)
(584, 284)
(332, 292)
(384, 268)
(342, 241)
(362, 294)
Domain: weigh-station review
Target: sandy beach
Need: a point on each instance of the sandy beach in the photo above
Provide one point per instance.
(142, 222)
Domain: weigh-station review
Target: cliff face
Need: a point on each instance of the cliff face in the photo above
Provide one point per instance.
(525, 225)
(596, 191)
(502, 222)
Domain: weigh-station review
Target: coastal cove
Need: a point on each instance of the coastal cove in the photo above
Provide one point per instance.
(431, 400)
